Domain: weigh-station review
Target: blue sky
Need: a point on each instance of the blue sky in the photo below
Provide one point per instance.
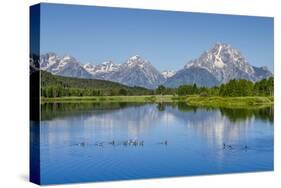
(167, 39)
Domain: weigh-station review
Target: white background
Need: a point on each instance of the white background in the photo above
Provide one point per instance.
(14, 75)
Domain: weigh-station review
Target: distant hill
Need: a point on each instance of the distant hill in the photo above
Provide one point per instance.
(50, 80)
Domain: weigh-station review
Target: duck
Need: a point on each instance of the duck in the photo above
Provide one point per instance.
(229, 147)
(226, 146)
(125, 143)
(141, 143)
(135, 143)
(130, 142)
(82, 144)
(112, 142)
(165, 142)
(99, 144)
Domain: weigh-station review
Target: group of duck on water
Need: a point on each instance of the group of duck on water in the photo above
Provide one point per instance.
(132, 142)
(230, 147)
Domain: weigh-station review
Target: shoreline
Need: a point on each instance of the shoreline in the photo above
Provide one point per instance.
(192, 100)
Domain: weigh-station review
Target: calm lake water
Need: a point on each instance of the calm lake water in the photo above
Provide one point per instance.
(76, 141)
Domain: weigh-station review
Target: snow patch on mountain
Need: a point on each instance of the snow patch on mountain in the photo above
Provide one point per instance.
(168, 73)
(218, 61)
(105, 67)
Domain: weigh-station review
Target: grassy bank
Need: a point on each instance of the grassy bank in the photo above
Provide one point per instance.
(230, 102)
(143, 98)
(193, 100)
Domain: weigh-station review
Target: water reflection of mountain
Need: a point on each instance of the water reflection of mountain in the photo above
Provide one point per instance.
(234, 115)
(51, 111)
(180, 110)
(134, 120)
(218, 128)
(224, 125)
(109, 117)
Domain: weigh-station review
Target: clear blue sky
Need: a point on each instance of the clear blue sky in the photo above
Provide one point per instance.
(167, 39)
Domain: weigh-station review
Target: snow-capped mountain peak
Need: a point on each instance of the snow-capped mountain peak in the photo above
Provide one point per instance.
(137, 71)
(68, 58)
(89, 67)
(224, 62)
(108, 66)
(48, 60)
(99, 71)
(137, 60)
(168, 73)
(135, 57)
(64, 66)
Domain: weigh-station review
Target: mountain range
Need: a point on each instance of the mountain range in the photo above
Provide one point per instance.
(215, 66)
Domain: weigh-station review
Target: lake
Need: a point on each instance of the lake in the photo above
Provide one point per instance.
(83, 142)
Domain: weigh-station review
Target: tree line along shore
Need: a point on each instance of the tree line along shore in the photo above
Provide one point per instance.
(234, 93)
(193, 100)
